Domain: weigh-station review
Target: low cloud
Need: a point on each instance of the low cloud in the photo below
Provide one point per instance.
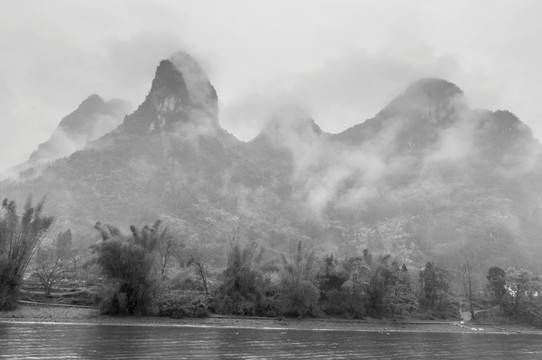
(341, 92)
(328, 171)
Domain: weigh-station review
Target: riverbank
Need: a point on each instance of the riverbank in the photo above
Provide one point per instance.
(66, 314)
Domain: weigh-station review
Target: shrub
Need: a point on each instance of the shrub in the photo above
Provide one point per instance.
(175, 305)
(300, 299)
(344, 303)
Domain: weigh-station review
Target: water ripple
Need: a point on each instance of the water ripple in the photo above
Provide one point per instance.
(81, 341)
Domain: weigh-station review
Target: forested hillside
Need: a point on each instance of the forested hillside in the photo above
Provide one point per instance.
(426, 178)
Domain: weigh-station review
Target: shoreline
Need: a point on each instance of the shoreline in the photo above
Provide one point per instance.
(87, 316)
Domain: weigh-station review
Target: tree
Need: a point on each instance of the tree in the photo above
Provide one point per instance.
(399, 297)
(515, 280)
(359, 280)
(65, 250)
(359, 273)
(524, 288)
(338, 295)
(165, 244)
(128, 263)
(469, 265)
(75, 257)
(496, 286)
(49, 267)
(371, 281)
(406, 291)
(200, 260)
(380, 278)
(466, 261)
(434, 287)
(430, 284)
(19, 237)
(331, 276)
(63, 245)
(241, 287)
(299, 295)
(168, 246)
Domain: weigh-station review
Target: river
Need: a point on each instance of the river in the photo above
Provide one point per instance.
(79, 341)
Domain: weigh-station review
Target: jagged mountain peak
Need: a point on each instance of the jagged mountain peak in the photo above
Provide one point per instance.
(200, 90)
(180, 93)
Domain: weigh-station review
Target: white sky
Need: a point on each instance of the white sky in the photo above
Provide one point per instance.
(340, 60)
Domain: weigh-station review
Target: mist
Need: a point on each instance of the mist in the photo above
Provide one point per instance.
(371, 165)
(341, 64)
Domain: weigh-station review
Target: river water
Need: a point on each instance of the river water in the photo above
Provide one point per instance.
(79, 341)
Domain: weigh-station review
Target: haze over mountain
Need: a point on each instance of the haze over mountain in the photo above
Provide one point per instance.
(427, 176)
(93, 118)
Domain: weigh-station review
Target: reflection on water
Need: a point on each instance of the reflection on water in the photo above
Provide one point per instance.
(64, 341)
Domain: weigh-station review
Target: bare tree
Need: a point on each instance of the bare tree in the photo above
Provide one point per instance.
(169, 247)
(49, 268)
(470, 259)
(75, 257)
(200, 260)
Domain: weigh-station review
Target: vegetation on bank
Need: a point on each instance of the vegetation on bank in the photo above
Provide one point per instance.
(19, 237)
(149, 271)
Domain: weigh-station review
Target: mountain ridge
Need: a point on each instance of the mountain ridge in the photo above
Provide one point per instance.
(425, 176)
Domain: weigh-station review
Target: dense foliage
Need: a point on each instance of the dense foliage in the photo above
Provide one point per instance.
(241, 289)
(299, 284)
(308, 286)
(523, 294)
(19, 237)
(128, 263)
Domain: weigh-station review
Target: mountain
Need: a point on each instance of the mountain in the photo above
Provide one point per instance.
(448, 176)
(417, 115)
(181, 94)
(93, 118)
(424, 178)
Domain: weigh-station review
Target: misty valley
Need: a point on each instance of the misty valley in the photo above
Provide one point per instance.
(429, 211)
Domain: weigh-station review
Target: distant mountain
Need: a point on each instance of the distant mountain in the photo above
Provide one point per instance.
(425, 178)
(426, 107)
(444, 176)
(93, 118)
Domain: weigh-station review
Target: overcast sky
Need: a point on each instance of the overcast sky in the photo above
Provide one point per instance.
(342, 61)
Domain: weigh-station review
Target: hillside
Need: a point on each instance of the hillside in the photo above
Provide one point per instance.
(426, 177)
